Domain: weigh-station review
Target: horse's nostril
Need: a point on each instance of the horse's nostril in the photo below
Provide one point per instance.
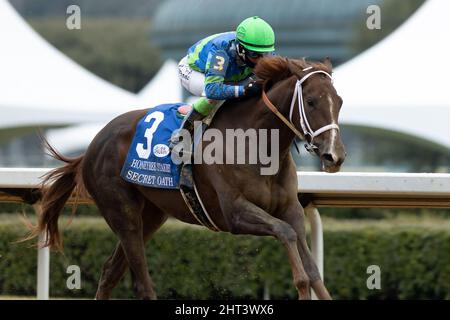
(328, 157)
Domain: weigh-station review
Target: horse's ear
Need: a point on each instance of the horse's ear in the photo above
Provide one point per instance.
(293, 67)
(290, 66)
(327, 63)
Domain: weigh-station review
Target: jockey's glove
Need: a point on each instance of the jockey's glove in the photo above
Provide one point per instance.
(253, 88)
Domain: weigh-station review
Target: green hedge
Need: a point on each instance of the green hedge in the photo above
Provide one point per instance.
(84, 210)
(199, 264)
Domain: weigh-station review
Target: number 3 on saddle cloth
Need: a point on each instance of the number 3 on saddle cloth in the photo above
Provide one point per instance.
(149, 162)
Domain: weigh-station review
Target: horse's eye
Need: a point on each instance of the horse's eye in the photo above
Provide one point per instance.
(310, 102)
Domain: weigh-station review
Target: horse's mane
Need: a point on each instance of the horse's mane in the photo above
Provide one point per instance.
(278, 68)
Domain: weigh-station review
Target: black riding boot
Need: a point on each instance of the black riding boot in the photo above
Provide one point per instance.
(187, 124)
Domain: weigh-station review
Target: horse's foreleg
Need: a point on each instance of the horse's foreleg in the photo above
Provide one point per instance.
(294, 216)
(244, 217)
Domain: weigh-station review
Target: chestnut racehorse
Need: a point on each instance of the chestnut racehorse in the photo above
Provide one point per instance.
(300, 101)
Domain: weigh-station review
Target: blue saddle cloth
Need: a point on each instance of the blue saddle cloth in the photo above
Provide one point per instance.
(148, 161)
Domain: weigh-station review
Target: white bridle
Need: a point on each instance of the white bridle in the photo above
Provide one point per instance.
(307, 130)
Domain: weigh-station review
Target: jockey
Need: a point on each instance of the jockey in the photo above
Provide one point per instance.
(219, 67)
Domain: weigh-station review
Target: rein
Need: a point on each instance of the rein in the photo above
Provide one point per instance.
(298, 95)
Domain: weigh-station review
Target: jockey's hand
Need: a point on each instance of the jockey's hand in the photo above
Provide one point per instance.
(253, 88)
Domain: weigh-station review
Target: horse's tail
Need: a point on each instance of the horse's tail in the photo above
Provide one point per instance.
(58, 185)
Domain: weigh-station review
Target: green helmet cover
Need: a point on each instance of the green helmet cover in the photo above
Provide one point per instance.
(255, 34)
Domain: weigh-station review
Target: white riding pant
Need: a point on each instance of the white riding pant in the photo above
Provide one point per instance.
(192, 80)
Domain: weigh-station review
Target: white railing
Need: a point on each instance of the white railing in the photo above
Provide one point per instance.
(316, 189)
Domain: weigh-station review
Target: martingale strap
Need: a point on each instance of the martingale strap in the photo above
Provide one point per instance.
(192, 198)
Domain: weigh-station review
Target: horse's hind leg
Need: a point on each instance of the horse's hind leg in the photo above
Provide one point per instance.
(116, 265)
(121, 205)
(113, 270)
